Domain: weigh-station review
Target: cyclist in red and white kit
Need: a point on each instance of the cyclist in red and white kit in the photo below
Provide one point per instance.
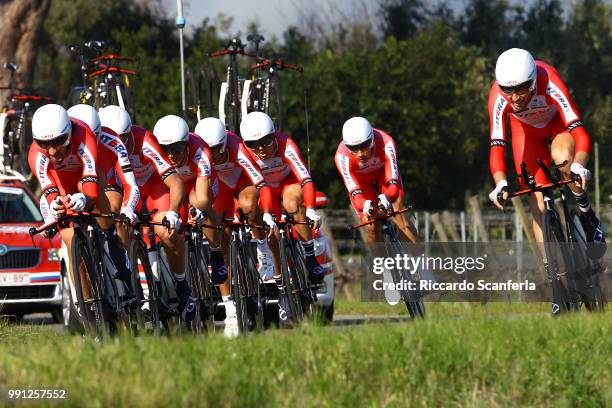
(161, 188)
(367, 162)
(238, 184)
(283, 169)
(545, 124)
(113, 162)
(192, 158)
(64, 159)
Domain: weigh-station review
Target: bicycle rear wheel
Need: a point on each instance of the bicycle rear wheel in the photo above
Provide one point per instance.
(20, 159)
(239, 289)
(290, 287)
(273, 106)
(307, 297)
(208, 92)
(147, 311)
(208, 304)
(90, 305)
(559, 263)
(588, 283)
(194, 279)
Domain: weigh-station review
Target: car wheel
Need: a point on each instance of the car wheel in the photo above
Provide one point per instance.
(68, 311)
(326, 313)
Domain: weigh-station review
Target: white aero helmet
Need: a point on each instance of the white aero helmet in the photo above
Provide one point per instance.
(256, 125)
(212, 130)
(515, 67)
(51, 122)
(357, 131)
(116, 119)
(171, 129)
(87, 114)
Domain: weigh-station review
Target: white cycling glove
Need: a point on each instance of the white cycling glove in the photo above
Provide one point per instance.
(198, 217)
(368, 207)
(77, 202)
(312, 215)
(269, 220)
(130, 215)
(580, 170)
(174, 220)
(501, 186)
(384, 202)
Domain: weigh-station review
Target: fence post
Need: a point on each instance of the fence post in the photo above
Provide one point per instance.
(450, 225)
(477, 213)
(435, 219)
(427, 215)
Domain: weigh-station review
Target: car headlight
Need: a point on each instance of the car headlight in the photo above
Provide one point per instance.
(53, 255)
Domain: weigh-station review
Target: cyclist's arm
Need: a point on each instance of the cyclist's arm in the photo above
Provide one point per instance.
(352, 185)
(131, 192)
(88, 153)
(166, 171)
(177, 191)
(123, 171)
(559, 93)
(39, 164)
(201, 198)
(293, 157)
(391, 189)
(498, 108)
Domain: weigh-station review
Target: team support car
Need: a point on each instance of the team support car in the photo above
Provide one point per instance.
(30, 273)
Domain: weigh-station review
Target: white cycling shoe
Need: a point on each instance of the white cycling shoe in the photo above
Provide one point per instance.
(231, 320)
(265, 264)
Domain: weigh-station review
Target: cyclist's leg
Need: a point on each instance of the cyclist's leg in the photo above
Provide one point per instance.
(528, 145)
(248, 202)
(372, 232)
(293, 202)
(223, 208)
(158, 197)
(563, 148)
(407, 231)
(217, 263)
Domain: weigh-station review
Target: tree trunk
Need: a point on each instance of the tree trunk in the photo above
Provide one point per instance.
(20, 24)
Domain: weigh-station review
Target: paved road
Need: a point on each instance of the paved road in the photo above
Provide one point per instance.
(341, 320)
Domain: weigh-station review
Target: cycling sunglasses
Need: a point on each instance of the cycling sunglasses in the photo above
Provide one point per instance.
(265, 141)
(519, 89)
(57, 142)
(360, 146)
(174, 148)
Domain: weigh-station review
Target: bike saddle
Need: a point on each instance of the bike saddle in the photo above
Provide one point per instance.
(10, 66)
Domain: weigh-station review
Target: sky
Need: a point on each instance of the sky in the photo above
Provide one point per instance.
(274, 16)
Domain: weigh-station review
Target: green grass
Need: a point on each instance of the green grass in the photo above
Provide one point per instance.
(462, 355)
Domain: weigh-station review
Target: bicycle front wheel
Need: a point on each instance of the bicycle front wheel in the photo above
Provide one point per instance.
(143, 282)
(90, 307)
(412, 299)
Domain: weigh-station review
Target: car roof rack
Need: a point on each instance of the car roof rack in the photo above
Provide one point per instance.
(8, 174)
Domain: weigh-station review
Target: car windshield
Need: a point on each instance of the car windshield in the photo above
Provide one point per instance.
(17, 206)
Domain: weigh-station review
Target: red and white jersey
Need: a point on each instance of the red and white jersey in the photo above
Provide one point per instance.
(114, 161)
(238, 161)
(285, 162)
(384, 158)
(198, 162)
(78, 165)
(147, 157)
(551, 98)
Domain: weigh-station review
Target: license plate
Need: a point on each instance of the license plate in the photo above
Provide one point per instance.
(14, 279)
